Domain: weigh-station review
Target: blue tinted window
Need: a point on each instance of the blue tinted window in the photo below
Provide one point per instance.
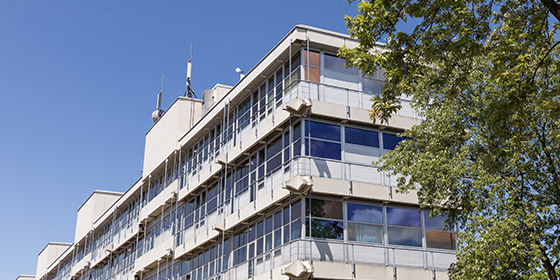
(403, 217)
(325, 149)
(361, 137)
(323, 130)
(365, 213)
(405, 236)
(390, 141)
(335, 63)
(274, 148)
(435, 223)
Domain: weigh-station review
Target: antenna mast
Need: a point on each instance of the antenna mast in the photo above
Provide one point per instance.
(189, 92)
(156, 115)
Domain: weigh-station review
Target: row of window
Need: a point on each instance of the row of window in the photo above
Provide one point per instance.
(371, 223)
(324, 218)
(325, 140)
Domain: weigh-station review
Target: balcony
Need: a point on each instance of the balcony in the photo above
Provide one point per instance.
(162, 250)
(332, 259)
(164, 199)
(343, 96)
(81, 266)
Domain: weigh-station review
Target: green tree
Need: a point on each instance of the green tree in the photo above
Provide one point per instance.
(485, 76)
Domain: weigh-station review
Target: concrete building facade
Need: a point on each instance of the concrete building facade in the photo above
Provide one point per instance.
(269, 179)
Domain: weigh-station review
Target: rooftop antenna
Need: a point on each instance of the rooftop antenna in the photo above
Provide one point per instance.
(156, 115)
(188, 91)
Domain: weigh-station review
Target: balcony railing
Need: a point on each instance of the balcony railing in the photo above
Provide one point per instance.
(348, 253)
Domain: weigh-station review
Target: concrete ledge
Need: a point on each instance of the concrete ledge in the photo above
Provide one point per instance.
(332, 270)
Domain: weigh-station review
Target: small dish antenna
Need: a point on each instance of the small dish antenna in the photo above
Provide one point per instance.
(240, 71)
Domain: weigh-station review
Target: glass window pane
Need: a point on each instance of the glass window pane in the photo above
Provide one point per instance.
(296, 230)
(260, 229)
(324, 149)
(365, 233)
(403, 217)
(327, 229)
(277, 238)
(268, 225)
(405, 236)
(361, 137)
(441, 240)
(273, 164)
(296, 61)
(252, 232)
(277, 220)
(259, 246)
(323, 130)
(334, 63)
(286, 215)
(297, 132)
(365, 213)
(326, 209)
(435, 223)
(373, 86)
(296, 210)
(274, 148)
(268, 242)
(391, 141)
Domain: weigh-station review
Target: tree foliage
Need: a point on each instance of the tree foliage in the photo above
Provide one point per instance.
(485, 76)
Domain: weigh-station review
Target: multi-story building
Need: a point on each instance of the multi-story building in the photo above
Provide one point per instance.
(269, 179)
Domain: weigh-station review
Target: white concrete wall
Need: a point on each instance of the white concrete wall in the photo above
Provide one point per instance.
(26, 277)
(91, 210)
(163, 138)
(50, 253)
(212, 96)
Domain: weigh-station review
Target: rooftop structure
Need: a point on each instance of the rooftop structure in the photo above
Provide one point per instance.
(269, 179)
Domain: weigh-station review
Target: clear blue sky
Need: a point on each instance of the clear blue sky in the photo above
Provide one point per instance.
(78, 82)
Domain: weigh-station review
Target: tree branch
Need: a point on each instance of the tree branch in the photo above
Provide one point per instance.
(542, 59)
(553, 7)
(548, 265)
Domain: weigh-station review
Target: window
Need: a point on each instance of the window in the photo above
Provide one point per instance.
(404, 227)
(372, 85)
(279, 86)
(390, 141)
(212, 199)
(324, 141)
(242, 178)
(287, 155)
(295, 226)
(323, 131)
(334, 63)
(325, 219)
(244, 114)
(437, 235)
(274, 155)
(361, 137)
(293, 73)
(270, 93)
(296, 139)
(239, 248)
(365, 223)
